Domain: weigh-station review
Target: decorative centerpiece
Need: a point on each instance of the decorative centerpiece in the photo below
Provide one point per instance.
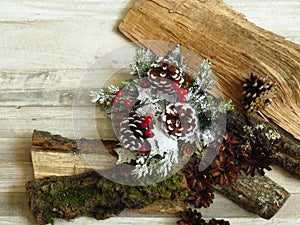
(163, 114)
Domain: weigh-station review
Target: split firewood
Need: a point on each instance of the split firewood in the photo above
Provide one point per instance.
(235, 46)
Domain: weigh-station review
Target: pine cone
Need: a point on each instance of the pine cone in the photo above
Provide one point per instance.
(131, 133)
(163, 73)
(230, 146)
(197, 179)
(257, 158)
(224, 169)
(201, 198)
(188, 118)
(218, 222)
(257, 93)
(191, 217)
(172, 124)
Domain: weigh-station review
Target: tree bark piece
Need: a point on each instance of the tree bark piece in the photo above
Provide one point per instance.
(256, 194)
(235, 46)
(90, 194)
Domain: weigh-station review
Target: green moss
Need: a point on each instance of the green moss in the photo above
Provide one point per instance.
(93, 195)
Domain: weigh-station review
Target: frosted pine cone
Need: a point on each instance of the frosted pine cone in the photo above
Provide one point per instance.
(172, 124)
(163, 73)
(188, 118)
(257, 93)
(131, 133)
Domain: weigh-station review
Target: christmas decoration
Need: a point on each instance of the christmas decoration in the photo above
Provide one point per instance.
(161, 111)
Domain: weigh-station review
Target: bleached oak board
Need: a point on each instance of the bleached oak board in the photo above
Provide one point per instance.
(45, 48)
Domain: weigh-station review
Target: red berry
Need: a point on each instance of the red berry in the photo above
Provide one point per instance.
(143, 150)
(148, 133)
(182, 99)
(180, 92)
(148, 119)
(186, 90)
(145, 84)
(127, 103)
(176, 85)
(144, 125)
(115, 101)
(119, 94)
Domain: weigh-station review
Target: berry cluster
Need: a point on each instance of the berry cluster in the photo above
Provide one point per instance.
(147, 132)
(181, 92)
(118, 99)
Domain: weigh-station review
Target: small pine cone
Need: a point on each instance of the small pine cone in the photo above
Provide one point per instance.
(131, 133)
(191, 217)
(201, 198)
(218, 222)
(257, 158)
(172, 124)
(224, 169)
(163, 73)
(257, 93)
(197, 179)
(188, 117)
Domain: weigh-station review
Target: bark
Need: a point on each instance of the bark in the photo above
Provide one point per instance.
(258, 194)
(90, 194)
(235, 46)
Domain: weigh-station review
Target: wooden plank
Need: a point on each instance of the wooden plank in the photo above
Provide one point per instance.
(15, 10)
(52, 45)
(280, 17)
(54, 88)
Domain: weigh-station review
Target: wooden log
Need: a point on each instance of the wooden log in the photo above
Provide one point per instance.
(45, 143)
(235, 46)
(256, 194)
(54, 155)
(90, 194)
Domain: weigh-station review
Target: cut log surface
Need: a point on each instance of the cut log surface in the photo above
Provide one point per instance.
(235, 46)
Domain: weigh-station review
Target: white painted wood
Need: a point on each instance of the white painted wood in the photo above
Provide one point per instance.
(45, 48)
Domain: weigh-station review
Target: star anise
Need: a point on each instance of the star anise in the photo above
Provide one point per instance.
(224, 169)
(191, 217)
(256, 158)
(218, 222)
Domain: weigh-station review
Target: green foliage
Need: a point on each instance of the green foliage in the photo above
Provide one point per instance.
(142, 62)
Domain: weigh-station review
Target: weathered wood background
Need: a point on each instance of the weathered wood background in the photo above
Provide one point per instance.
(45, 48)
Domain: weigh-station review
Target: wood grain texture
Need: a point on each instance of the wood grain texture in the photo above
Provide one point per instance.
(235, 46)
(46, 46)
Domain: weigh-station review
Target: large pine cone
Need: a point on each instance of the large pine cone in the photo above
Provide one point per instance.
(257, 93)
(163, 73)
(172, 124)
(131, 133)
